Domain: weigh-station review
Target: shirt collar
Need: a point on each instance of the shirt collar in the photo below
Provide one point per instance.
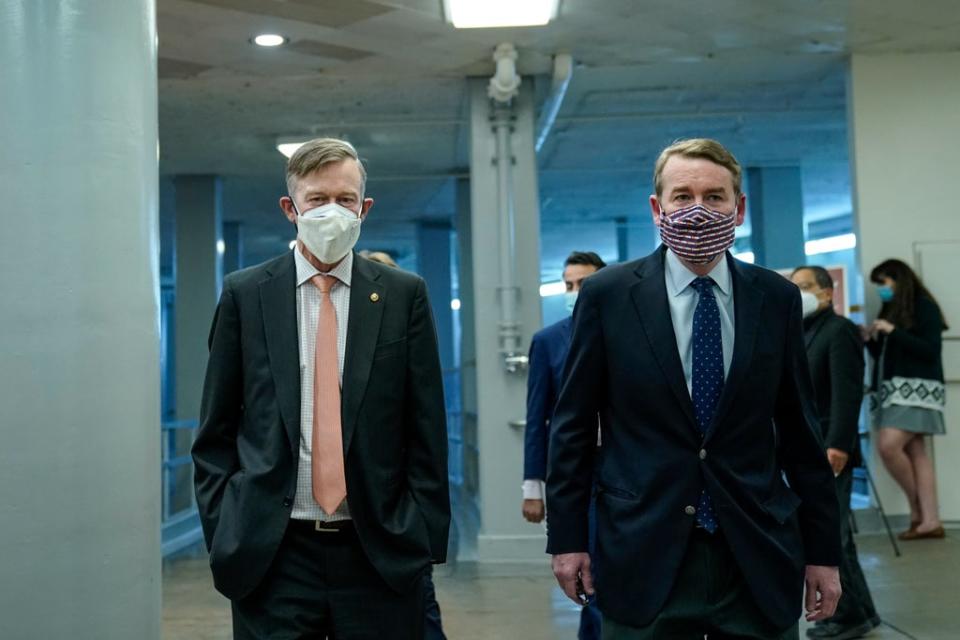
(679, 276)
(305, 270)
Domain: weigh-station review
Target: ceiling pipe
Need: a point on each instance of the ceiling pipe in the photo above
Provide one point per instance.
(562, 73)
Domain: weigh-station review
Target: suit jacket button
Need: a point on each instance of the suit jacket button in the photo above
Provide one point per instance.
(287, 501)
(703, 454)
(690, 510)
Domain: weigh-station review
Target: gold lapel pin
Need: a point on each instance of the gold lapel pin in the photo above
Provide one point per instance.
(374, 297)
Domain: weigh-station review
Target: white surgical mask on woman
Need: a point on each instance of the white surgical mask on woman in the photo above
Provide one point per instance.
(329, 231)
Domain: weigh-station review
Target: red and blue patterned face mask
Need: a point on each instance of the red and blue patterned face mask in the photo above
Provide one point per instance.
(697, 234)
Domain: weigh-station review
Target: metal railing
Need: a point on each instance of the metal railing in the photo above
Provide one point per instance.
(180, 520)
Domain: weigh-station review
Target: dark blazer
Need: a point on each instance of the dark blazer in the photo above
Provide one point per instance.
(394, 424)
(548, 350)
(915, 352)
(624, 364)
(835, 354)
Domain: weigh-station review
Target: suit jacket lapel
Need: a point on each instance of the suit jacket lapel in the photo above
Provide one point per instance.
(810, 334)
(747, 305)
(650, 299)
(566, 329)
(278, 301)
(363, 328)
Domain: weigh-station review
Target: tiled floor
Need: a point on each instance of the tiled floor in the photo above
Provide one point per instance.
(918, 593)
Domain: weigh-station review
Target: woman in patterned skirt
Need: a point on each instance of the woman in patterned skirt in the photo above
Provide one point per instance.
(905, 342)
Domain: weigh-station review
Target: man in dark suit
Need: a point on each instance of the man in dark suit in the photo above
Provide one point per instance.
(695, 363)
(548, 350)
(321, 457)
(835, 354)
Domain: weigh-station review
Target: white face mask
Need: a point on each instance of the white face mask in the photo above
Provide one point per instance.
(570, 299)
(329, 232)
(810, 303)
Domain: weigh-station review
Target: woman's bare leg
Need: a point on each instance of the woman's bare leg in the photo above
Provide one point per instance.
(891, 443)
(925, 482)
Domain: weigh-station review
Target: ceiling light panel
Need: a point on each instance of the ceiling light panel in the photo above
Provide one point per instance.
(481, 14)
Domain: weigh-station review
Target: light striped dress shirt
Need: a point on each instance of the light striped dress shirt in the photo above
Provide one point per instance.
(308, 312)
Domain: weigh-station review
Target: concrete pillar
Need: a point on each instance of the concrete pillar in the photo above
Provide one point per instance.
(775, 204)
(232, 246)
(79, 379)
(199, 273)
(904, 133)
(433, 264)
(501, 396)
(623, 239)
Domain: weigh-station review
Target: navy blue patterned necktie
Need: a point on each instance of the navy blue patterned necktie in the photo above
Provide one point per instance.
(707, 376)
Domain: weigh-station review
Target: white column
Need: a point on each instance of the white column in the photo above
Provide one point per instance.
(501, 396)
(79, 377)
(905, 133)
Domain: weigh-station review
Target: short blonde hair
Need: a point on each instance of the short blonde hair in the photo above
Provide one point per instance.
(699, 148)
(317, 152)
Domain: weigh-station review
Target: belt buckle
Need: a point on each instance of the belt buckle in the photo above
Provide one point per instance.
(324, 527)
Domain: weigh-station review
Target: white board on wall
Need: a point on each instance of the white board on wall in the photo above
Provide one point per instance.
(938, 263)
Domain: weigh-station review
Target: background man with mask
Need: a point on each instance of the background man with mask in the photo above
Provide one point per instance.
(835, 354)
(548, 350)
(695, 363)
(321, 479)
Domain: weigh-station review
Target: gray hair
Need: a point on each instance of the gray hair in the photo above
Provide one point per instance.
(317, 152)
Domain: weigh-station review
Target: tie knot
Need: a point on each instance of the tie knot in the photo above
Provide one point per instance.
(323, 283)
(703, 285)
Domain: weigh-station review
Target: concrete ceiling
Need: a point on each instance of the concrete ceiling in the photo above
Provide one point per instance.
(766, 78)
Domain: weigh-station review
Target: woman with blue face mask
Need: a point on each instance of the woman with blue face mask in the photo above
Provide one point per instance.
(908, 388)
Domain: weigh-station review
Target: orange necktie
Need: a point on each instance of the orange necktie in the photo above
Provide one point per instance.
(329, 480)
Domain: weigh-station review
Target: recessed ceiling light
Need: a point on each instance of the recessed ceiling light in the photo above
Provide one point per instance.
(479, 14)
(269, 40)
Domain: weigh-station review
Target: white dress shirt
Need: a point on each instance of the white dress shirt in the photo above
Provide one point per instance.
(683, 301)
(308, 313)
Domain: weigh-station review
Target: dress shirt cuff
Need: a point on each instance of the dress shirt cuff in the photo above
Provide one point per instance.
(533, 489)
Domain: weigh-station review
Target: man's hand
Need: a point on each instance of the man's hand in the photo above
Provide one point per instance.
(823, 591)
(533, 510)
(568, 567)
(838, 460)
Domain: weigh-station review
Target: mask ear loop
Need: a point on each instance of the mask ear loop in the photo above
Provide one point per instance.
(294, 203)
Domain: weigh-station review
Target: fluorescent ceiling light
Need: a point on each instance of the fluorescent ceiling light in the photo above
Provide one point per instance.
(552, 289)
(269, 40)
(831, 244)
(221, 247)
(480, 14)
(289, 146)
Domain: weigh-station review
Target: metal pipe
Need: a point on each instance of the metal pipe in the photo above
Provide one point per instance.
(509, 327)
(562, 73)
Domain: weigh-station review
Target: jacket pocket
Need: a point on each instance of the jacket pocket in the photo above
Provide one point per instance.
(390, 349)
(617, 493)
(782, 504)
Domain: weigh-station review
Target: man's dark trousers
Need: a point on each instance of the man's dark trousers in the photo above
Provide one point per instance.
(856, 605)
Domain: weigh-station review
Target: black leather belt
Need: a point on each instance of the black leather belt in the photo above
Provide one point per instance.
(323, 527)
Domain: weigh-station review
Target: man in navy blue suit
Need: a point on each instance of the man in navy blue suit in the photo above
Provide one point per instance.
(696, 365)
(548, 350)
